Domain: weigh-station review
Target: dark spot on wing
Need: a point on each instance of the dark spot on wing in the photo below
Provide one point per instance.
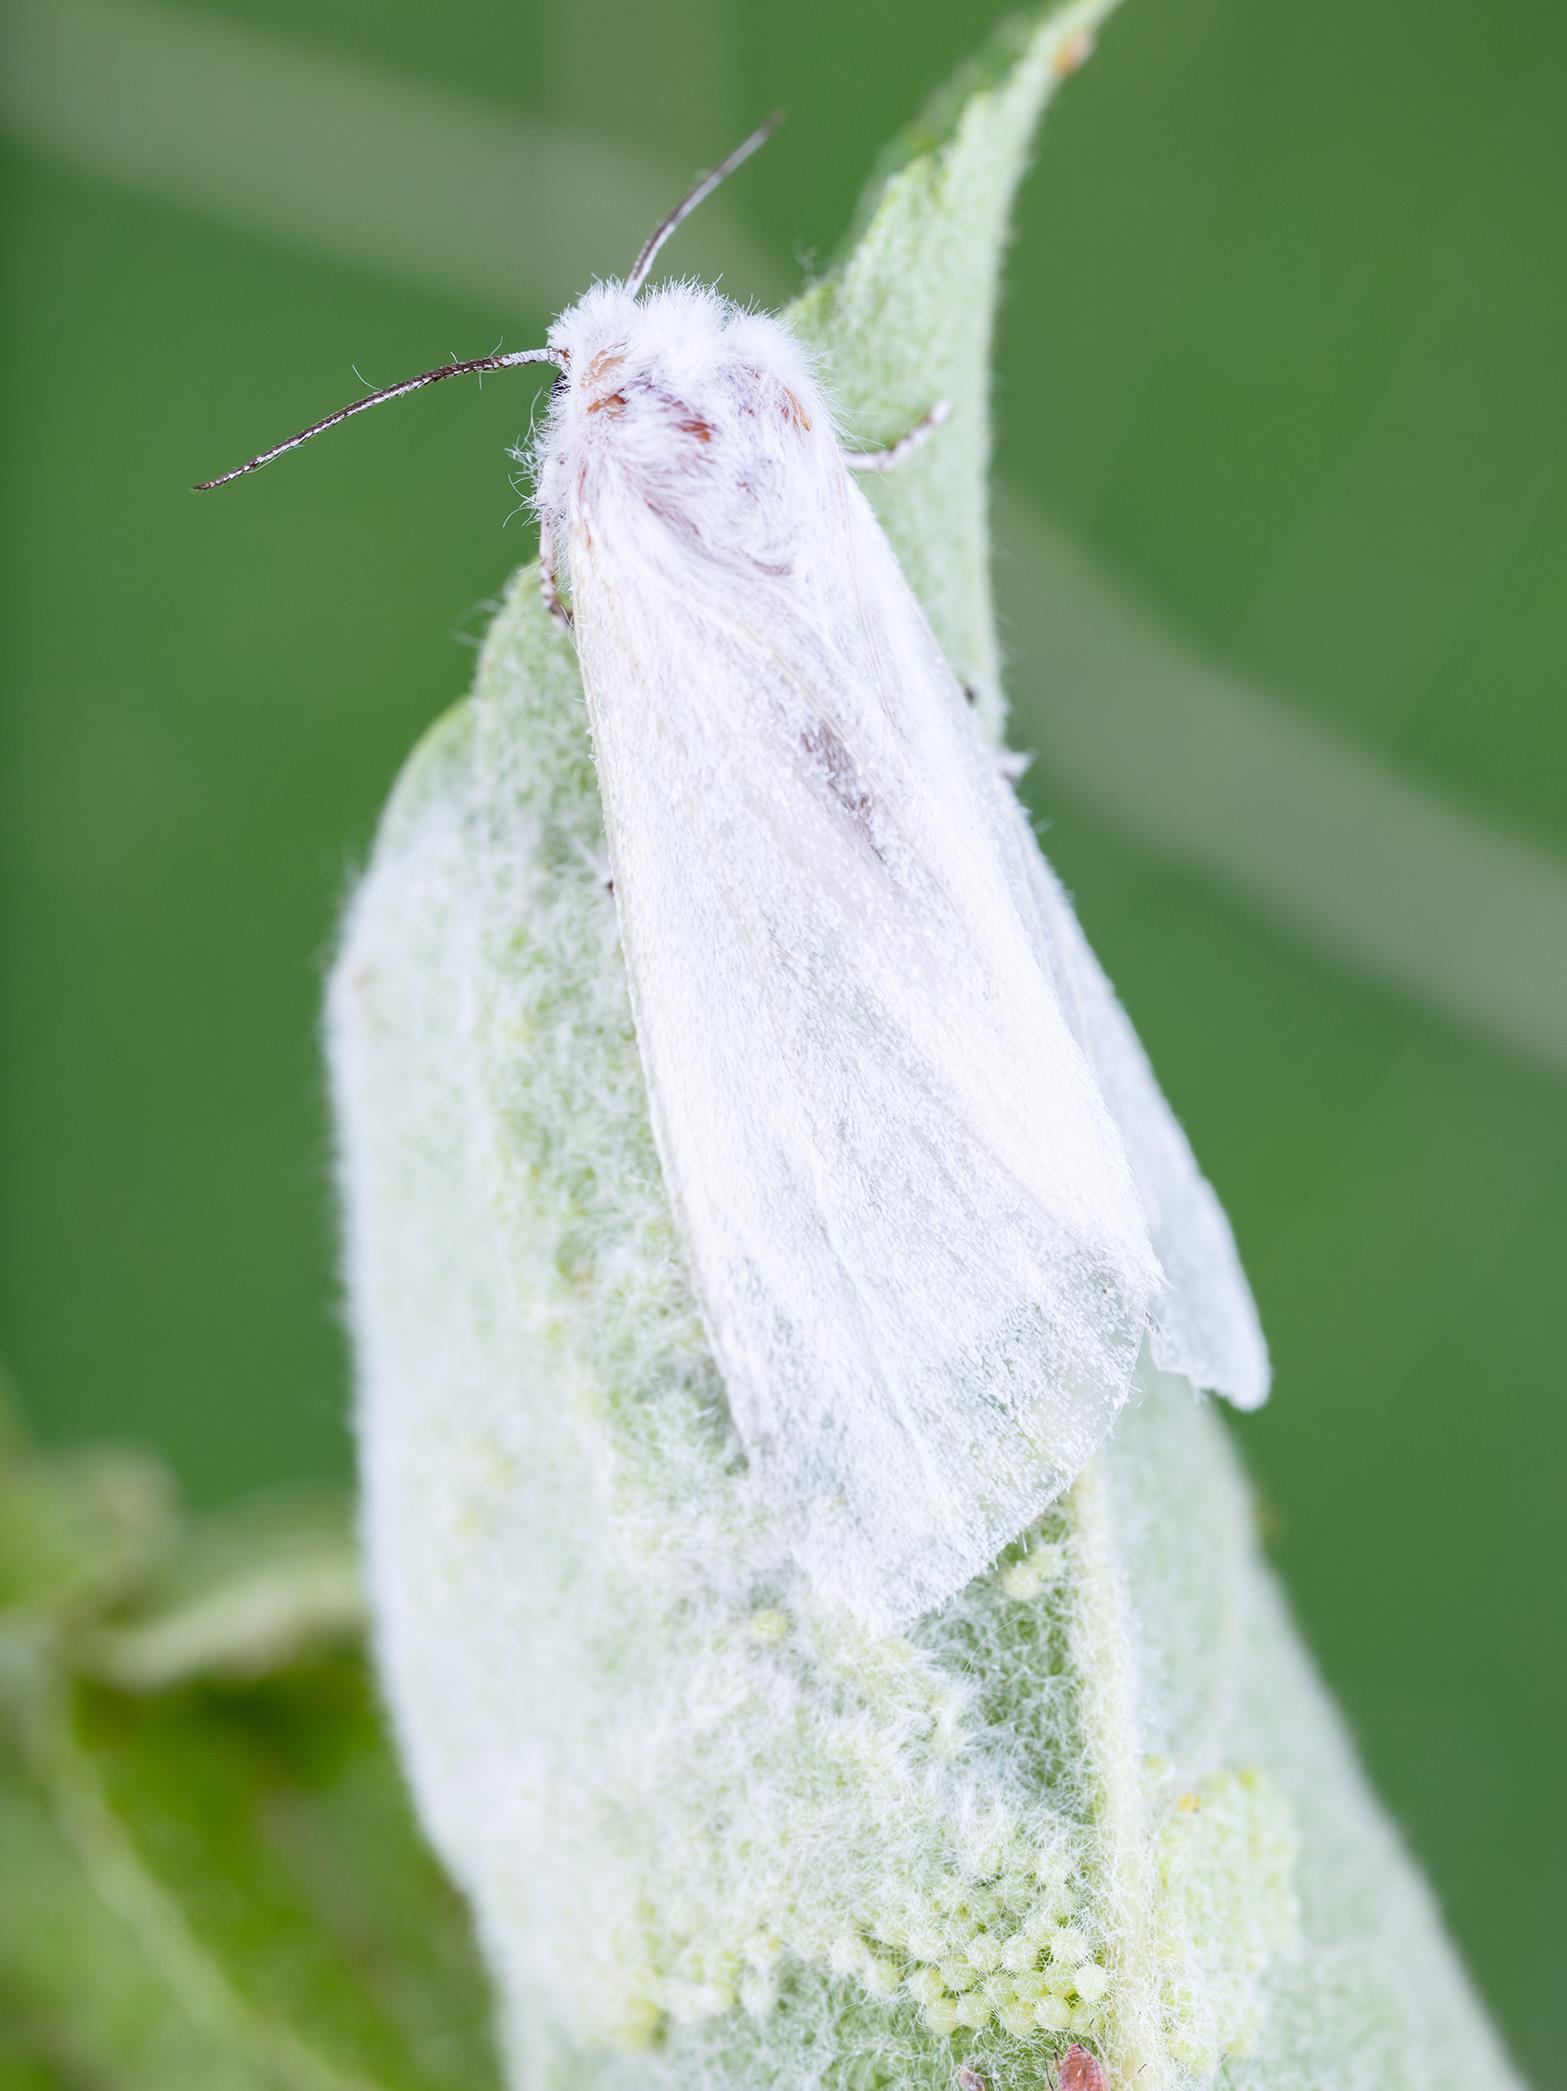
(827, 750)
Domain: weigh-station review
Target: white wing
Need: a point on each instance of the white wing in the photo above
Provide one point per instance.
(1205, 1324)
(912, 1228)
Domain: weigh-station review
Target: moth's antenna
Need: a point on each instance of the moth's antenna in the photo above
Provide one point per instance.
(376, 399)
(687, 204)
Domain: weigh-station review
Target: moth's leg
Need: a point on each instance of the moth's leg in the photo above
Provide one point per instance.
(597, 861)
(547, 588)
(889, 459)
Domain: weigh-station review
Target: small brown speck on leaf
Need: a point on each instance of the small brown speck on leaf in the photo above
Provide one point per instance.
(1073, 55)
(1080, 2071)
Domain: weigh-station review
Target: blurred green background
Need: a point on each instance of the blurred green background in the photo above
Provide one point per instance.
(1282, 527)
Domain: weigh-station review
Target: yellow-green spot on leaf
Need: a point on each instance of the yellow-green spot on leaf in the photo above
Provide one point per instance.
(881, 1977)
(983, 1952)
(925, 1985)
(1091, 1982)
(941, 2015)
(635, 2025)
(1034, 1572)
(1019, 1953)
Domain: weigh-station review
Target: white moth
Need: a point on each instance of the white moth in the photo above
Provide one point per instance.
(932, 1201)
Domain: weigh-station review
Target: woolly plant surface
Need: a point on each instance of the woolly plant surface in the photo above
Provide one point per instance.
(714, 1833)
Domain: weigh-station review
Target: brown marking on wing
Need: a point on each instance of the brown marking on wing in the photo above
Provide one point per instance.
(604, 364)
(612, 403)
(793, 411)
(696, 426)
(825, 747)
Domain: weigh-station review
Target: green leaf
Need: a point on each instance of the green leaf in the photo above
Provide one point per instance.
(82, 2006)
(252, 1591)
(234, 1871)
(907, 316)
(79, 1537)
(211, 1872)
(784, 1853)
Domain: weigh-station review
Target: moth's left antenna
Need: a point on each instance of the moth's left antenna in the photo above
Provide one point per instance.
(377, 399)
(689, 202)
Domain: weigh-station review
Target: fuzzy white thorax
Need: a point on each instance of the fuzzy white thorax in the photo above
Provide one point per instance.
(684, 432)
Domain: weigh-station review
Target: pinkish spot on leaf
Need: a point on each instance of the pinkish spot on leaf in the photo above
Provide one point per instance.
(1080, 2071)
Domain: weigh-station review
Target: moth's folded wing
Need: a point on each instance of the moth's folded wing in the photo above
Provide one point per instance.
(1205, 1322)
(910, 1225)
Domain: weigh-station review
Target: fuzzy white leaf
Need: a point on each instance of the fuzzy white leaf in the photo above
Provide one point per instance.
(715, 1833)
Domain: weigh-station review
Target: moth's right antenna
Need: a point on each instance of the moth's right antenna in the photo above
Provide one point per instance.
(377, 399)
(687, 204)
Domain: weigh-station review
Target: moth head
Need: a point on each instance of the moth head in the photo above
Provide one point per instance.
(607, 311)
(593, 340)
(650, 367)
(684, 425)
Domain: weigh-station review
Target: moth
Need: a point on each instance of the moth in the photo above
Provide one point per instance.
(933, 1204)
